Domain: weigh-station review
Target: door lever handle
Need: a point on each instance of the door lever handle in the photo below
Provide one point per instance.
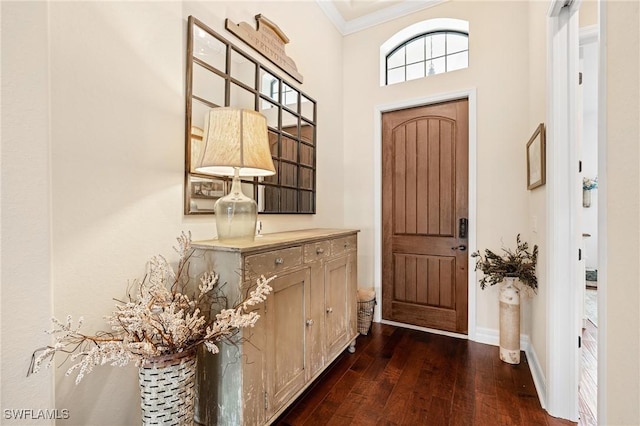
(460, 247)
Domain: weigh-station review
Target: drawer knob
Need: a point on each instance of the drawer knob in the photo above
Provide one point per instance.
(346, 245)
(319, 250)
(329, 310)
(279, 261)
(309, 322)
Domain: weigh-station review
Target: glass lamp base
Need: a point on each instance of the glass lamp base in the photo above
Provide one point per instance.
(236, 215)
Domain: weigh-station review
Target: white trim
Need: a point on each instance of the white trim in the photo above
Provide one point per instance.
(422, 27)
(427, 26)
(425, 329)
(589, 34)
(491, 336)
(469, 94)
(334, 16)
(537, 374)
(563, 233)
(371, 19)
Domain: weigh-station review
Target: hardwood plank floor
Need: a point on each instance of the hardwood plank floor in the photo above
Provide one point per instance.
(588, 392)
(405, 377)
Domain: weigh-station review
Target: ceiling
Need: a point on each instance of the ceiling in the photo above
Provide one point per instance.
(352, 9)
(350, 16)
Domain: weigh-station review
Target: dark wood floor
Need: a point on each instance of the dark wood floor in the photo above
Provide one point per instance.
(404, 377)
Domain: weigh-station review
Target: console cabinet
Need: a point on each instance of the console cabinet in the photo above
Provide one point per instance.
(305, 323)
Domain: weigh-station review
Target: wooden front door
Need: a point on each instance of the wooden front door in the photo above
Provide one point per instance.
(424, 215)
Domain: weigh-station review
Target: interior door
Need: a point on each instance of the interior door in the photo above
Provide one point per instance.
(424, 215)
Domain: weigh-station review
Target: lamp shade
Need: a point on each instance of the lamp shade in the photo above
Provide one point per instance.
(235, 139)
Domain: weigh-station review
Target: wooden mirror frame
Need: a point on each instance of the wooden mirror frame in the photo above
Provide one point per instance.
(220, 74)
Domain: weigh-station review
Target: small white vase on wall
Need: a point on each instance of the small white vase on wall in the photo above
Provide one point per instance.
(510, 321)
(586, 198)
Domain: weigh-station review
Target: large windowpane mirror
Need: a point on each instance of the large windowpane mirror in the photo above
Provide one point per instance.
(219, 74)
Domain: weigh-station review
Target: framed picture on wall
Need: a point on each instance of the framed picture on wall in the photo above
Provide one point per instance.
(536, 151)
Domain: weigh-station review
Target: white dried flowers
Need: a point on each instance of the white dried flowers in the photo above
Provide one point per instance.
(160, 318)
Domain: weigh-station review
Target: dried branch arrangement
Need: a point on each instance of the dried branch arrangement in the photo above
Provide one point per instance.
(165, 314)
(520, 263)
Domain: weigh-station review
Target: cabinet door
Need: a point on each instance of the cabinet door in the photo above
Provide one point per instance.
(352, 290)
(286, 329)
(315, 322)
(337, 305)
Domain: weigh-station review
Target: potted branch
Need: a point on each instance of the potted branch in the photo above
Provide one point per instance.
(516, 272)
(167, 318)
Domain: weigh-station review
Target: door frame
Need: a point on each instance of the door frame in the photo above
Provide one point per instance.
(563, 202)
(469, 94)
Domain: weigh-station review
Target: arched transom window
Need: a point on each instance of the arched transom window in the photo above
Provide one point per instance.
(423, 49)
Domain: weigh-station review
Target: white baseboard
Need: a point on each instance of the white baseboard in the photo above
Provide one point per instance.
(491, 336)
(425, 329)
(536, 372)
(488, 336)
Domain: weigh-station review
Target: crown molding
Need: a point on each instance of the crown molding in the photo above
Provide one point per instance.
(374, 18)
(332, 13)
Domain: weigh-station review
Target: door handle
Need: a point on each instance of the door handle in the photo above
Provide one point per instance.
(460, 247)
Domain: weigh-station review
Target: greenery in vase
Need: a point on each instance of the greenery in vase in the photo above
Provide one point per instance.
(589, 184)
(165, 314)
(520, 263)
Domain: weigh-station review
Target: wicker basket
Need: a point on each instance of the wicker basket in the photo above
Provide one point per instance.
(167, 389)
(365, 315)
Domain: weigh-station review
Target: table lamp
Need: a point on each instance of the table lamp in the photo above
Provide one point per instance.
(236, 144)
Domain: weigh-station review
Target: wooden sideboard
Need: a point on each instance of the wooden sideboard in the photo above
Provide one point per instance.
(305, 323)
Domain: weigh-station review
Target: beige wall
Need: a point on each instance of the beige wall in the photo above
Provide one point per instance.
(25, 233)
(588, 13)
(104, 164)
(536, 218)
(499, 74)
(622, 115)
(116, 74)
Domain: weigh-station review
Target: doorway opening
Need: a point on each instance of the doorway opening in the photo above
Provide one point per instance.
(588, 386)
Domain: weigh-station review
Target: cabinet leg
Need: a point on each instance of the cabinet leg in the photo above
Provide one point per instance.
(352, 347)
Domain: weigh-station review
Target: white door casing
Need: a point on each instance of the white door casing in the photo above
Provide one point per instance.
(564, 190)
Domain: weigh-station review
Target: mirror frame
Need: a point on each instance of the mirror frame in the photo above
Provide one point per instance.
(293, 189)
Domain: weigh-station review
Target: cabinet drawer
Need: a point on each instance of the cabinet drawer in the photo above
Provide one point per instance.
(316, 251)
(345, 244)
(272, 262)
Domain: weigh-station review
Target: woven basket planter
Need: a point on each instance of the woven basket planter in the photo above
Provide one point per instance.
(365, 316)
(366, 305)
(167, 389)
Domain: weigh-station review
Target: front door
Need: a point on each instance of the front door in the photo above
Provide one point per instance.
(424, 215)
